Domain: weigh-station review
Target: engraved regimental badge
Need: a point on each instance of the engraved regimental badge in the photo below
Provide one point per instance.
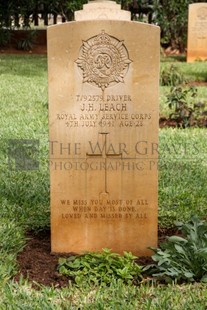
(104, 60)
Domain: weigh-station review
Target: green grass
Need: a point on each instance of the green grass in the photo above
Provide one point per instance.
(196, 71)
(116, 296)
(24, 195)
(24, 115)
(182, 174)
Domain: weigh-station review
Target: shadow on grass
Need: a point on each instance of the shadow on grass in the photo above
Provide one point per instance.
(23, 65)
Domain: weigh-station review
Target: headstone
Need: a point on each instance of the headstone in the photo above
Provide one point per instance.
(102, 10)
(197, 32)
(103, 117)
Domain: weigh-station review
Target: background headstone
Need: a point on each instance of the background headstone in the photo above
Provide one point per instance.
(197, 32)
(103, 118)
(102, 10)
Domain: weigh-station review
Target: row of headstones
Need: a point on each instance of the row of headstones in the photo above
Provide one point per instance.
(103, 73)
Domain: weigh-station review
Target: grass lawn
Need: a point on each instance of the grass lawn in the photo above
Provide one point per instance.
(24, 195)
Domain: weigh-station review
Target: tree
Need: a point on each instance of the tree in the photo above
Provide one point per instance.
(172, 17)
(67, 8)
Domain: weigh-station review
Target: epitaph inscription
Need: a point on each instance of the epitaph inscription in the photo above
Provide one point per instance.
(200, 27)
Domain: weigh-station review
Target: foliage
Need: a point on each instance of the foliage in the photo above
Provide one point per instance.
(182, 258)
(185, 112)
(26, 43)
(5, 37)
(97, 268)
(67, 8)
(6, 12)
(171, 76)
(11, 10)
(178, 99)
(172, 17)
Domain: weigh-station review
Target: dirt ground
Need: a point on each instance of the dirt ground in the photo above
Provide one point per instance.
(37, 264)
(37, 49)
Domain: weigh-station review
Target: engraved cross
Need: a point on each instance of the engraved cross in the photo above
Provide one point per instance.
(105, 155)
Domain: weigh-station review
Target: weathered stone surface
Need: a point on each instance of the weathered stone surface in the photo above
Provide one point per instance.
(197, 32)
(103, 117)
(102, 10)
